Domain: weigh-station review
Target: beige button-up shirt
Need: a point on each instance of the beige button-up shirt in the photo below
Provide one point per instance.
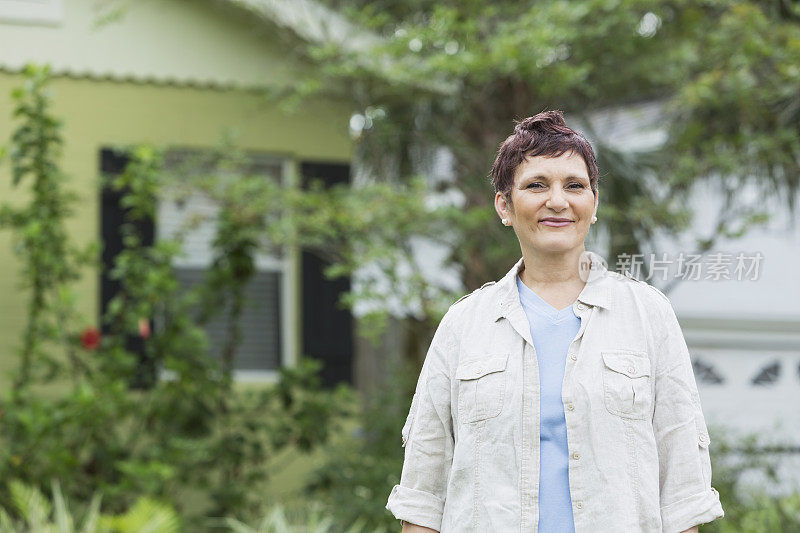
(638, 442)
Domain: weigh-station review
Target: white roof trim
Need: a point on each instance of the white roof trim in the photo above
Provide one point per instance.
(317, 23)
(311, 21)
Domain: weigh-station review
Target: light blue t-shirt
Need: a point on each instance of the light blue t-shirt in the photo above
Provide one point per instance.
(552, 332)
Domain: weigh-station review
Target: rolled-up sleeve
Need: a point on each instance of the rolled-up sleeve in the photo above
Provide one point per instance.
(686, 495)
(428, 438)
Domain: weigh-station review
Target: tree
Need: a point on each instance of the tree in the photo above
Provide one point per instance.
(426, 76)
(455, 74)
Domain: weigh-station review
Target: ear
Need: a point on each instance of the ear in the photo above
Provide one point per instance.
(501, 206)
(596, 203)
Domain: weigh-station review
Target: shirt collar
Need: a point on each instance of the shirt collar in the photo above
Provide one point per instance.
(596, 292)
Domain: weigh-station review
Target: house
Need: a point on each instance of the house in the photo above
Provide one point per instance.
(178, 74)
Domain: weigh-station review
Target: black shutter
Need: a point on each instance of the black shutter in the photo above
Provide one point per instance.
(111, 218)
(327, 329)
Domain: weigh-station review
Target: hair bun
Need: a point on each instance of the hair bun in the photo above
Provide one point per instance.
(552, 121)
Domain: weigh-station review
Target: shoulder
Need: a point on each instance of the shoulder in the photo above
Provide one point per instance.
(467, 305)
(476, 291)
(454, 320)
(652, 297)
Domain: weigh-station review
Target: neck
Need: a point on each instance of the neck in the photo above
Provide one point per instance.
(548, 267)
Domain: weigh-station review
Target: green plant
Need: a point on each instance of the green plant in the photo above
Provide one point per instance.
(310, 518)
(119, 429)
(360, 471)
(751, 508)
(35, 511)
(146, 515)
(37, 514)
(50, 264)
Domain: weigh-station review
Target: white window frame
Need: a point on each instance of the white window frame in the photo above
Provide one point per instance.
(287, 265)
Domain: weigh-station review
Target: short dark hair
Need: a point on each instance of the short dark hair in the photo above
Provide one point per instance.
(543, 134)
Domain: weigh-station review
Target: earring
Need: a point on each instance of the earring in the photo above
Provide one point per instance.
(505, 221)
(594, 219)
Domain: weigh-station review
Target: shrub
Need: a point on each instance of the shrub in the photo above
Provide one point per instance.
(114, 427)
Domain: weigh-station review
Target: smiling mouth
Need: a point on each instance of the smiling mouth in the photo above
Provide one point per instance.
(555, 223)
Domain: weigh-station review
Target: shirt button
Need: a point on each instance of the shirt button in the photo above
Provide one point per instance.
(576, 455)
(571, 406)
(573, 356)
(579, 505)
(631, 369)
(478, 370)
(581, 307)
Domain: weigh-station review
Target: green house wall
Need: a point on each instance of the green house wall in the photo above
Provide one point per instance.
(101, 113)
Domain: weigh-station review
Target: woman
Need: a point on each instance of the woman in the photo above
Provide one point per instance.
(561, 397)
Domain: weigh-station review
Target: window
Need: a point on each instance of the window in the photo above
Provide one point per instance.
(265, 321)
(268, 321)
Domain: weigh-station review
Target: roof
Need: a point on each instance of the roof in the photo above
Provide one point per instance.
(311, 21)
(317, 23)
(211, 44)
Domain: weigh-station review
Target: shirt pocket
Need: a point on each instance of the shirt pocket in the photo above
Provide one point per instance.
(406, 431)
(626, 383)
(481, 387)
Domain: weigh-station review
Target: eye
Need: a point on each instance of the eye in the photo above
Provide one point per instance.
(580, 185)
(531, 186)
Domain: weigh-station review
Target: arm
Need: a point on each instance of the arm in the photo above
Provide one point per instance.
(428, 440)
(686, 496)
(694, 529)
(411, 528)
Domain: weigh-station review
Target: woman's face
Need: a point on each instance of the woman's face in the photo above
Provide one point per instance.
(550, 188)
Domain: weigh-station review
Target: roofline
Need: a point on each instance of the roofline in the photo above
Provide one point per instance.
(317, 23)
(161, 81)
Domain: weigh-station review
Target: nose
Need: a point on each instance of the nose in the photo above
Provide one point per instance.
(556, 200)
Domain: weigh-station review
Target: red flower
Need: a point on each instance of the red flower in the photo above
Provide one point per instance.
(90, 338)
(144, 328)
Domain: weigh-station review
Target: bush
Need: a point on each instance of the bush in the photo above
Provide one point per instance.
(88, 410)
(749, 507)
(360, 471)
(307, 518)
(37, 514)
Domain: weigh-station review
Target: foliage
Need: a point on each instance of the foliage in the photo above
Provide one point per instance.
(373, 232)
(762, 514)
(359, 472)
(454, 74)
(39, 515)
(748, 507)
(162, 419)
(40, 238)
(146, 514)
(282, 518)
(370, 231)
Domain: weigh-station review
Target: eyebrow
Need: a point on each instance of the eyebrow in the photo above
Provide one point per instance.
(537, 176)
